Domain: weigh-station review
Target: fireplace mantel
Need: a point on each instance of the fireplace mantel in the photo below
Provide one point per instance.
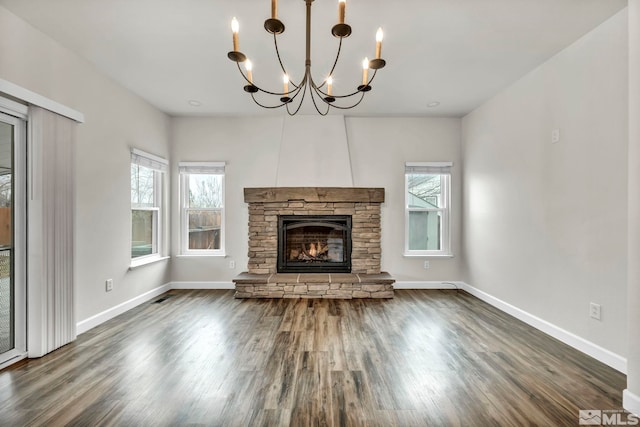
(314, 194)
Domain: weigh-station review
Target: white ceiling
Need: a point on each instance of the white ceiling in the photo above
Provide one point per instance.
(456, 52)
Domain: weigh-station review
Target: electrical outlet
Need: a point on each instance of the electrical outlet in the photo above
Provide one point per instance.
(426, 265)
(108, 285)
(594, 310)
(232, 264)
(555, 136)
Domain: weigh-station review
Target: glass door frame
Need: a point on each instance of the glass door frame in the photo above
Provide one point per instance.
(17, 119)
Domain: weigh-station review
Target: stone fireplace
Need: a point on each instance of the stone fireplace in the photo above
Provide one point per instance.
(319, 242)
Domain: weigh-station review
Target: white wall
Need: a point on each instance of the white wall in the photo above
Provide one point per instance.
(250, 149)
(378, 148)
(314, 152)
(631, 396)
(115, 120)
(545, 224)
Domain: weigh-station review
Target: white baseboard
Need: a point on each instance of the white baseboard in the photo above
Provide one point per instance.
(400, 284)
(201, 285)
(631, 402)
(93, 321)
(601, 354)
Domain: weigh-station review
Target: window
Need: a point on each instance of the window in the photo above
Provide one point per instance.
(427, 195)
(147, 176)
(202, 208)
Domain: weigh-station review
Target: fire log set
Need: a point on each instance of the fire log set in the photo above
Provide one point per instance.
(314, 252)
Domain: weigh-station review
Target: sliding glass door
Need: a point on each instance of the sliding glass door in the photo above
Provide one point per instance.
(12, 238)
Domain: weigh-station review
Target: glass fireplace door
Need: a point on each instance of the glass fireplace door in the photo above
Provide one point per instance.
(314, 244)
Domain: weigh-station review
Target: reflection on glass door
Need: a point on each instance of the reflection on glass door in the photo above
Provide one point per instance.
(12, 280)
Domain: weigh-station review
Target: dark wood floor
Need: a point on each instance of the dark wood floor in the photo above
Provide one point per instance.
(437, 358)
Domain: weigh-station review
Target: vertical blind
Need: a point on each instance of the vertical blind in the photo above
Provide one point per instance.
(214, 168)
(139, 157)
(434, 168)
(51, 170)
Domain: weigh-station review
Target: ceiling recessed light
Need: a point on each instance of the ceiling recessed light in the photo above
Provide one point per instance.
(195, 103)
(433, 104)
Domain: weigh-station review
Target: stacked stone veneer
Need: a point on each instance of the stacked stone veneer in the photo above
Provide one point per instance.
(266, 204)
(314, 285)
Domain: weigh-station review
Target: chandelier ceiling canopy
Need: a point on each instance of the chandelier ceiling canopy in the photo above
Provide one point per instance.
(293, 93)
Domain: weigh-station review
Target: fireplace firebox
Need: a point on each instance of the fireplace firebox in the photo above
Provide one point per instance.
(314, 244)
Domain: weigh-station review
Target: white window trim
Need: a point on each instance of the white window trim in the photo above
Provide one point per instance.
(20, 256)
(442, 168)
(209, 168)
(145, 260)
(32, 98)
(159, 165)
(13, 108)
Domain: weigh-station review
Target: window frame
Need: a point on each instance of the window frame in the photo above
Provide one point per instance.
(186, 169)
(430, 168)
(159, 167)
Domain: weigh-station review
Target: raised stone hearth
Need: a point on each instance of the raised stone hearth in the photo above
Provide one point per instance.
(314, 285)
(266, 205)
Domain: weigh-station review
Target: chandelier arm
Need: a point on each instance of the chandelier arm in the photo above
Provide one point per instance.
(323, 94)
(242, 73)
(334, 62)
(313, 88)
(357, 91)
(330, 105)
(350, 107)
(297, 91)
(275, 42)
(316, 87)
(258, 87)
(372, 77)
(266, 106)
(304, 92)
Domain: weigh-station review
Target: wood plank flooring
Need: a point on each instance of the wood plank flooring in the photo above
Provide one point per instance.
(436, 358)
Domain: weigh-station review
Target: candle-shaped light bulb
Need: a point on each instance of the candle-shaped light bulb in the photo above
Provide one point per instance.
(285, 82)
(329, 85)
(249, 67)
(274, 9)
(365, 71)
(235, 27)
(379, 37)
(341, 6)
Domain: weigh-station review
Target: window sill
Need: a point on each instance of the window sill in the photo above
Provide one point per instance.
(146, 261)
(218, 255)
(409, 255)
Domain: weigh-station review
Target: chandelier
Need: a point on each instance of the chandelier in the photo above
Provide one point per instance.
(321, 94)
